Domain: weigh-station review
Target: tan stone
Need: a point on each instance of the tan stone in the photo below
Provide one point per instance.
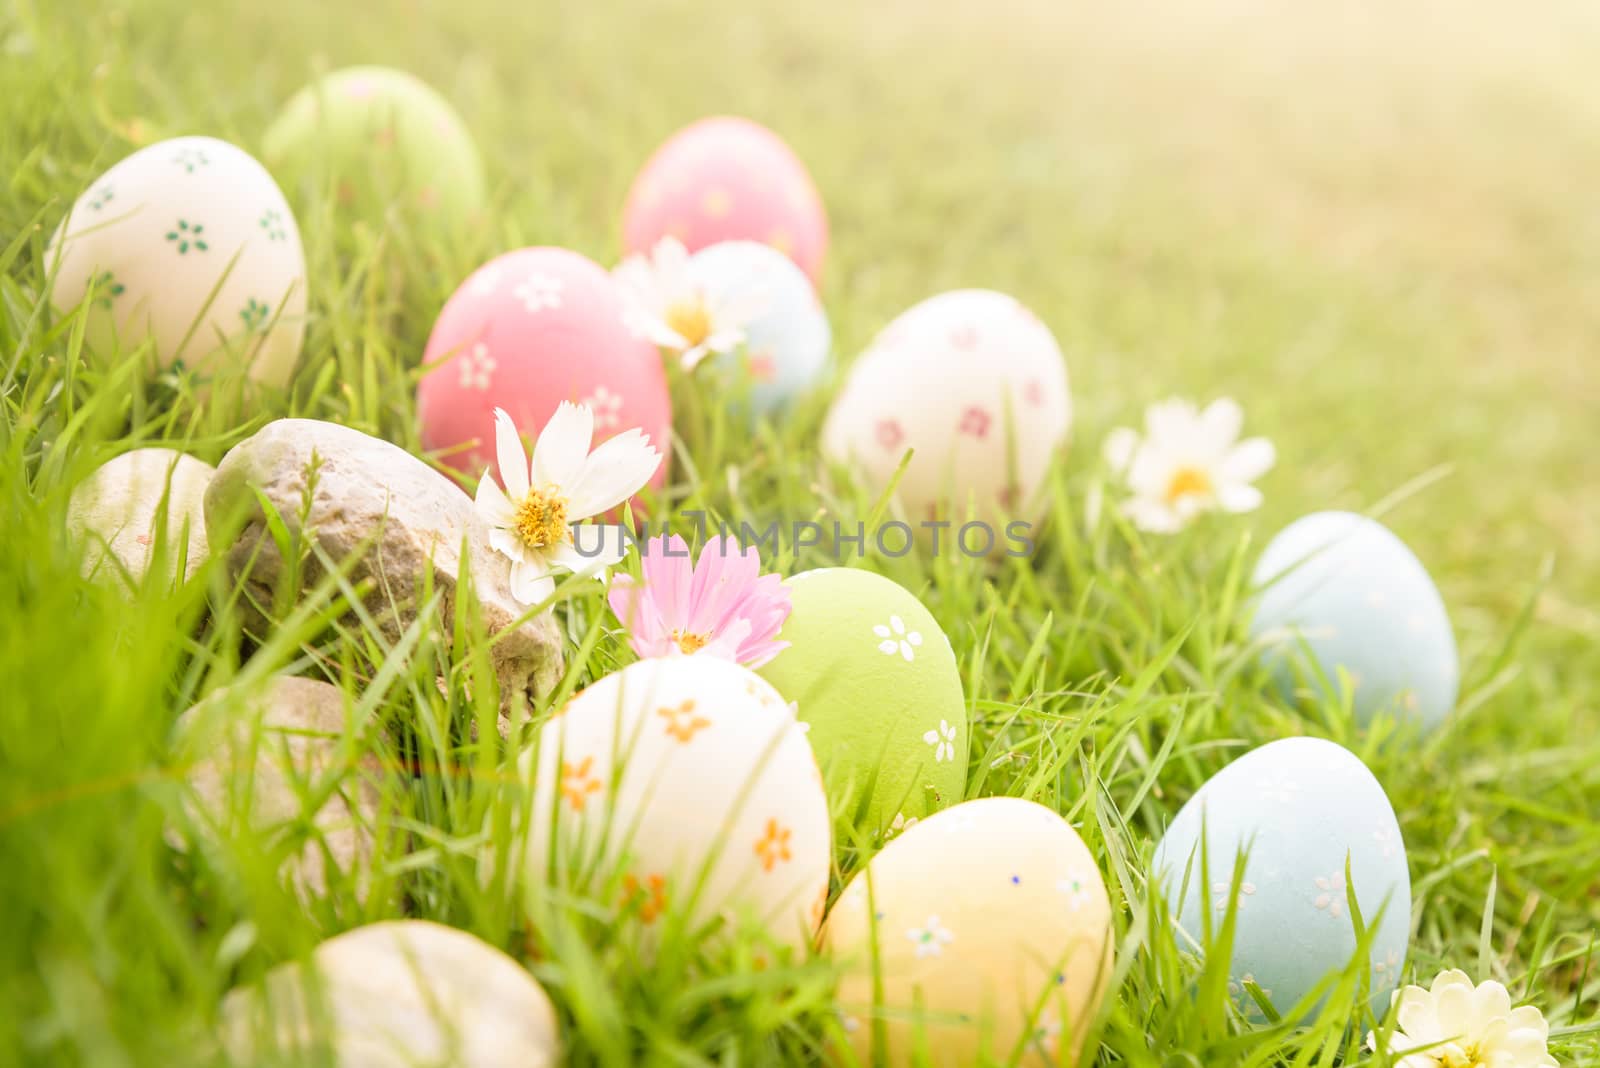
(371, 497)
(258, 758)
(398, 994)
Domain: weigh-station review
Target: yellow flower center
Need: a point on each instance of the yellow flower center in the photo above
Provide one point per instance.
(690, 643)
(690, 320)
(542, 518)
(1186, 481)
(1471, 1056)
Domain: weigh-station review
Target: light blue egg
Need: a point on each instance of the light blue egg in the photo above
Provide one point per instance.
(1298, 807)
(1342, 588)
(787, 343)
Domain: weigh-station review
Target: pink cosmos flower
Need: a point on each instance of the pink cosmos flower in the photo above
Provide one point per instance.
(721, 605)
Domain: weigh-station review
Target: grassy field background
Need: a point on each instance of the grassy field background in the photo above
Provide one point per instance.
(1373, 223)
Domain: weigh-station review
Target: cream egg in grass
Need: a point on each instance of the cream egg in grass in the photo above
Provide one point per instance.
(685, 787)
(986, 929)
(1300, 810)
(188, 243)
(1339, 592)
(874, 676)
(393, 995)
(975, 383)
(116, 509)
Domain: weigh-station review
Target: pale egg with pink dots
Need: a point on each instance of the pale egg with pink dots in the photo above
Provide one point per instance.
(975, 383)
(727, 179)
(189, 244)
(526, 331)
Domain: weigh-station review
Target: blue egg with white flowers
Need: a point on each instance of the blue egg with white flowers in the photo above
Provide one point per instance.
(1338, 592)
(1314, 826)
(788, 340)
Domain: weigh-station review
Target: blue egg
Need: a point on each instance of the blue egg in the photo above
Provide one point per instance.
(1343, 589)
(1298, 807)
(787, 343)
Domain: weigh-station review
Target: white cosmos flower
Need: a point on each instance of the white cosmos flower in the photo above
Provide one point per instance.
(664, 303)
(531, 519)
(1454, 1024)
(1188, 461)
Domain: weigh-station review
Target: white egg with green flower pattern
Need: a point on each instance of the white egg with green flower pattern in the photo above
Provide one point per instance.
(188, 243)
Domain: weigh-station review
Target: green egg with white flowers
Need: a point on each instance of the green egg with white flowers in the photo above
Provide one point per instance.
(874, 676)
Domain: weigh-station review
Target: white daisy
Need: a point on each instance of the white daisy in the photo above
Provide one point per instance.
(666, 305)
(532, 519)
(1454, 1023)
(1188, 462)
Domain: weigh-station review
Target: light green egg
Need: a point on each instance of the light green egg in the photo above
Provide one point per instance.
(384, 142)
(874, 676)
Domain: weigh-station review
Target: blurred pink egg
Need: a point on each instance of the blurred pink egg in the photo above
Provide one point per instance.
(529, 329)
(727, 179)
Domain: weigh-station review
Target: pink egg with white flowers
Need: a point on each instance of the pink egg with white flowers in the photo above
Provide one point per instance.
(527, 330)
(727, 179)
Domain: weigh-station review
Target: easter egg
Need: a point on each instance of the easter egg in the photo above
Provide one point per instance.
(875, 677)
(116, 508)
(1340, 591)
(394, 995)
(379, 138)
(528, 330)
(1299, 807)
(989, 929)
(786, 344)
(973, 382)
(690, 779)
(727, 179)
(188, 242)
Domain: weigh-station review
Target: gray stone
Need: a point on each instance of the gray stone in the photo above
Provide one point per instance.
(250, 760)
(367, 490)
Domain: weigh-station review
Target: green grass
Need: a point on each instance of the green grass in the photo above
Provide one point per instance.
(1378, 233)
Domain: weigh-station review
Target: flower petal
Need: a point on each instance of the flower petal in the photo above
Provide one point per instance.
(1152, 516)
(1219, 425)
(594, 547)
(1173, 424)
(615, 471)
(531, 582)
(491, 503)
(1119, 448)
(1247, 461)
(512, 458)
(1238, 497)
(563, 445)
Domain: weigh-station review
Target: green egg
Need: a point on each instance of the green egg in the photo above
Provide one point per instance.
(877, 681)
(385, 143)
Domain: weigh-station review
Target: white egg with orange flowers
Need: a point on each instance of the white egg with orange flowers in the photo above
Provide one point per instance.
(685, 790)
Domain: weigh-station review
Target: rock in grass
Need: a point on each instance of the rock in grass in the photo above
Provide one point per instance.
(398, 993)
(113, 513)
(357, 494)
(259, 766)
